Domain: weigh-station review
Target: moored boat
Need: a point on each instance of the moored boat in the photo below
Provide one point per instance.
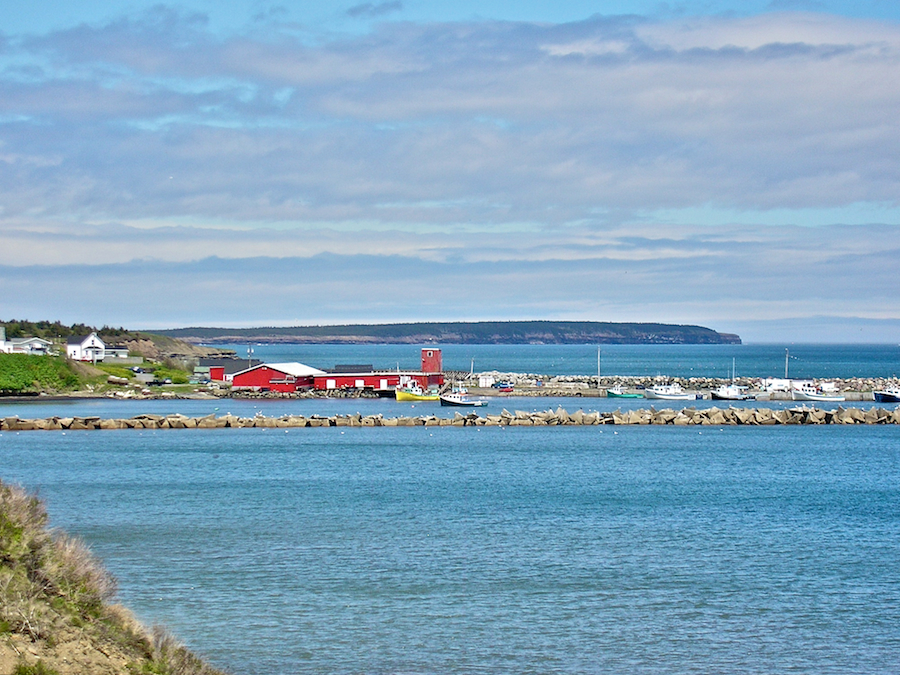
(808, 392)
(730, 392)
(462, 400)
(415, 393)
(619, 392)
(889, 395)
(669, 392)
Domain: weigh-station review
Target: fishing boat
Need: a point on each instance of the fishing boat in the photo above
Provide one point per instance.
(808, 392)
(889, 395)
(619, 392)
(414, 392)
(669, 392)
(460, 398)
(731, 392)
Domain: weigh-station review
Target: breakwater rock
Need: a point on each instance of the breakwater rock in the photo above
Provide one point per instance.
(559, 417)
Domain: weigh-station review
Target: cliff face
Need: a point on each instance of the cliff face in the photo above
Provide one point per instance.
(55, 609)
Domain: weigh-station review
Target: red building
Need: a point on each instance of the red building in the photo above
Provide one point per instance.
(284, 377)
(384, 382)
(289, 377)
(431, 361)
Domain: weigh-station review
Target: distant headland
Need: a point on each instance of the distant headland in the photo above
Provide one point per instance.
(479, 332)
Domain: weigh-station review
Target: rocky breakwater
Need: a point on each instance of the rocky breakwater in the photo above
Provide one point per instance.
(559, 417)
(533, 385)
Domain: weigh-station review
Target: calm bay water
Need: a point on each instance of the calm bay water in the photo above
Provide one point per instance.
(490, 550)
(753, 360)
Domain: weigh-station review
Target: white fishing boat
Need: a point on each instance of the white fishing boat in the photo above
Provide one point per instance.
(669, 392)
(462, 400)
(459, 397)
(731, 392)
(809, 392)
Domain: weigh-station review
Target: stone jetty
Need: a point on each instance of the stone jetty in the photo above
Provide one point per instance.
(559, 417)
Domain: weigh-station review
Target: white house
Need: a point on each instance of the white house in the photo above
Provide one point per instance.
(32, 345)
(85, 348)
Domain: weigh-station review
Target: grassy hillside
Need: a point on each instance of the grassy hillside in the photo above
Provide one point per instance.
(55, 611)
(21, 373)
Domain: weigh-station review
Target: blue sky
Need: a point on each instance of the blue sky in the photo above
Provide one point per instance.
(247, 163)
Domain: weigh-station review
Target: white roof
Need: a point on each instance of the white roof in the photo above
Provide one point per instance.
(293, 368)
(25, 341)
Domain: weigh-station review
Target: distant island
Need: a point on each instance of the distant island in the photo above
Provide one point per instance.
(480, 332)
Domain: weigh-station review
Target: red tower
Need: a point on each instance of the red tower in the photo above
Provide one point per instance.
(431, 360)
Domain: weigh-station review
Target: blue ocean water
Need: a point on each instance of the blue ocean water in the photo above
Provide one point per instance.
(491, 550)
(751, 360)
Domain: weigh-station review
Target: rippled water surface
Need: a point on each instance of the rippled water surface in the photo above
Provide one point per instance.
(491, 550)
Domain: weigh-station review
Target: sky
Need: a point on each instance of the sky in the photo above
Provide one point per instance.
(246, 163)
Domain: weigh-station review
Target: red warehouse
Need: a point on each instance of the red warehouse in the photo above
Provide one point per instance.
(285, 377)
(384, 382)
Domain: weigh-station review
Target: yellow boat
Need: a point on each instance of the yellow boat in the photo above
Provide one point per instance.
(415, 394)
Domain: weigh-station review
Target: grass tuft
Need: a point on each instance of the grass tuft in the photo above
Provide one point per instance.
(38, 668)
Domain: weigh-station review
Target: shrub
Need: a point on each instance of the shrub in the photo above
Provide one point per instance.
(34, 669)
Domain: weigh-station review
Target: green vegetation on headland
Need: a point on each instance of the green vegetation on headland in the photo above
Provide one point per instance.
(166, 358)
(25, 372)
(482, 332)
(28, 374)
(56, 617)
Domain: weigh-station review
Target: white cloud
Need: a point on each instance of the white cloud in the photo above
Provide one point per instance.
(756, 32)
(543, 161)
